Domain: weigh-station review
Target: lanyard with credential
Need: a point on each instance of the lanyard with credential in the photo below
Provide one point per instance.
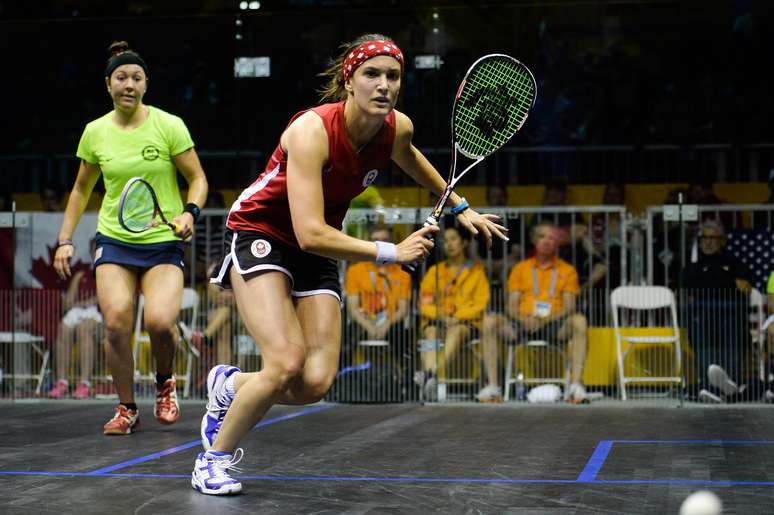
(535, 283)
(384, 278)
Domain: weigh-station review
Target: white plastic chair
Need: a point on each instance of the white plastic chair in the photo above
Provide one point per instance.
(644, 298)
(189, 304)
(23, 367)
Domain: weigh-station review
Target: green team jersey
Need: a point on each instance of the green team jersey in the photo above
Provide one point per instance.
(145, 151)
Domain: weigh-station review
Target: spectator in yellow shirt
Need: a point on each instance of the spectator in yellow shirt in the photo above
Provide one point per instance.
(453, 296)
(541, 305)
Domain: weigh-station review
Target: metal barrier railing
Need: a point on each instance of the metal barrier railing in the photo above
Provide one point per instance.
(429, 353)
(402, 362)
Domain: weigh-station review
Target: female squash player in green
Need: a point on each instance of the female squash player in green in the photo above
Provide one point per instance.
(135, 139)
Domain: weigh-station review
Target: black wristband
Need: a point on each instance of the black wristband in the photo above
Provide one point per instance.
(193, 209)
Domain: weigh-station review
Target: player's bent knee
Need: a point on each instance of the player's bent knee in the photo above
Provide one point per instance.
(116, 331)
(159, 326)
(315, 388)
(287, 370)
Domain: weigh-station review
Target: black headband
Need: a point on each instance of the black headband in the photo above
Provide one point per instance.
(125, 58)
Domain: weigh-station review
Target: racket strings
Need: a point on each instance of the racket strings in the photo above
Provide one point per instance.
(495, 79)
(138, 208)
(493, 105)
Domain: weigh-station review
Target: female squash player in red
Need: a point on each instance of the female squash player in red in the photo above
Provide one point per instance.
(284, 237)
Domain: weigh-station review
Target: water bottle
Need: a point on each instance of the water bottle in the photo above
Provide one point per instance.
(441, 392)
(521, 393)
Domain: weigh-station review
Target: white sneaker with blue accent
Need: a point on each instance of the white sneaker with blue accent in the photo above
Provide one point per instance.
(211, 473)
(218, 402)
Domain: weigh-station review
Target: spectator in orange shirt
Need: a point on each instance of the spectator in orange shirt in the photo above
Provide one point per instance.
(378, 296)
(453, 296)
(541, 305)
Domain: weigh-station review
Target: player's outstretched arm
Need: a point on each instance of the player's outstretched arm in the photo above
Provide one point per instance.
(416, 165)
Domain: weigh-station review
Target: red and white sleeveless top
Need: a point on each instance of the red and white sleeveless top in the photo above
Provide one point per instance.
(263, 206)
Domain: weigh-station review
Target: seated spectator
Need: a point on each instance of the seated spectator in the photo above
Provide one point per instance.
(378, 296)
(453, 296)
(717, 290)
(541, 305)
(78, 325)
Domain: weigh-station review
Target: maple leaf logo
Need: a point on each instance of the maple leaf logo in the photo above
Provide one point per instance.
(42, 269)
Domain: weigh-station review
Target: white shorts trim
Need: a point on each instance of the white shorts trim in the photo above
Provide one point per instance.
(224, 266)
(309, 293)
(231, 260)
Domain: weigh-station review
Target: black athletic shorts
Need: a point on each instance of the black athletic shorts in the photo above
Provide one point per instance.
(253, 252)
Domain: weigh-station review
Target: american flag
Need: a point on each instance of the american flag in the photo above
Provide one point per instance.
(754, 248)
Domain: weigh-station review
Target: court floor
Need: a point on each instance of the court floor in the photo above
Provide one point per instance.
(364, 459)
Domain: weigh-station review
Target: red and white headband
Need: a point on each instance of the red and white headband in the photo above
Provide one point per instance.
(368, 50)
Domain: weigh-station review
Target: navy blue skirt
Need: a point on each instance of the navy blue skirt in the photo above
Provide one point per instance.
(148, 255)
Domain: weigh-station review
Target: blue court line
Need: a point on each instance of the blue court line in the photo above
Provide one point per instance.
(679, 482)
(457, 480)
(590, 471)
(194, 443)
(600, 454)
(355, 368)
(701, 442)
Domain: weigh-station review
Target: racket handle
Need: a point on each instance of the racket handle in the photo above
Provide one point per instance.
(410, 268)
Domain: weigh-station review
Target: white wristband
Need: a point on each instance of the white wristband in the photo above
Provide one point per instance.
(386, 253)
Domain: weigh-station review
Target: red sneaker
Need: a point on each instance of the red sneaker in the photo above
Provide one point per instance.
(167, 410)
(59, 390)
(124, 422)
(82, 391)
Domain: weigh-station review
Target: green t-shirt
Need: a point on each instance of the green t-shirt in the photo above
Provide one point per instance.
(145, 151)
(770, 285)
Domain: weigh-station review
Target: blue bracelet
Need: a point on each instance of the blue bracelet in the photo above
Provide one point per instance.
(462, 206)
